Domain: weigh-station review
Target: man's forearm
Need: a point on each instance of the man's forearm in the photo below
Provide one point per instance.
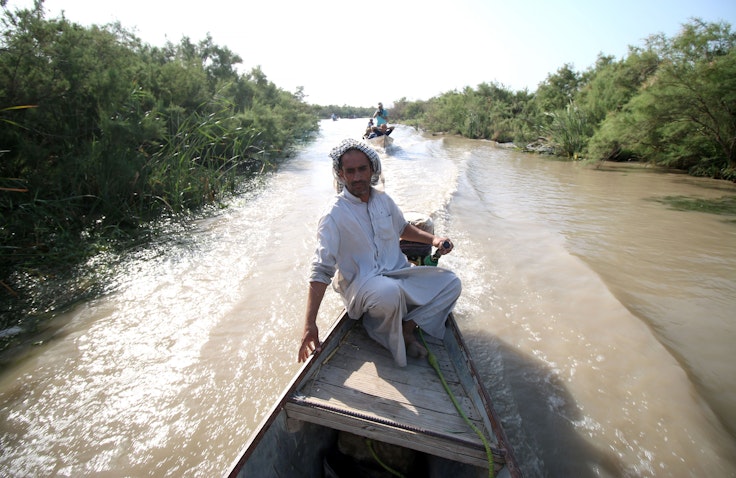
(414, 234)
(314, 299)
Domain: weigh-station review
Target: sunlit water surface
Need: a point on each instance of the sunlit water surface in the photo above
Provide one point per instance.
(602, 321)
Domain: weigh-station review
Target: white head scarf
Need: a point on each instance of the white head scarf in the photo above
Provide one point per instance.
(346, 145)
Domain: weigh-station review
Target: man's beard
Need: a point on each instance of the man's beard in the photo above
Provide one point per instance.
(358, 186)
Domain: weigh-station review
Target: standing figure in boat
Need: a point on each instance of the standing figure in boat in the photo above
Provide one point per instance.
(358, 245)
(381, 115)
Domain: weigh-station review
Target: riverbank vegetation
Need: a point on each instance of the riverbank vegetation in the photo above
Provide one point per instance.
(344, 111)
(102, 135)
(670, 102)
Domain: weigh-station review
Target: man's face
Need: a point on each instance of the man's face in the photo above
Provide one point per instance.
(356, 173)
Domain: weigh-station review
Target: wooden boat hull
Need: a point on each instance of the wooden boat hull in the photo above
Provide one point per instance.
(352, 388)
(381, 141)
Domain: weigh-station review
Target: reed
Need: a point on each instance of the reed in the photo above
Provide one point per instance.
(569, 131)
(205, 159)
(112, 195)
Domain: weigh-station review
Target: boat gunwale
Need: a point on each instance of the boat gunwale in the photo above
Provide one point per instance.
(485, 398)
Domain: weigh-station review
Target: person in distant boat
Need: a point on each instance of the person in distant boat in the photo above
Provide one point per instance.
(383, 130)
(369, 128)
(358, 245)
(381, 115)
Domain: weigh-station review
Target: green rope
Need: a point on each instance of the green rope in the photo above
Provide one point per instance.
(369, 443)
(432, 359)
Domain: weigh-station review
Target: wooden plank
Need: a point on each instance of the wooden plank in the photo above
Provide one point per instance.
(358, 344)
(411, 375)
(368, 367)
(382, 409)
(429, 398)
(417, 398)
(446, 448)
(362, 380)
(418, 373)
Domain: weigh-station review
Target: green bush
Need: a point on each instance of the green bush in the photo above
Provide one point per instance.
(671, 102)
(100, 134)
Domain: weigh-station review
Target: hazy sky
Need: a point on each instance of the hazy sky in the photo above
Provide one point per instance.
(346, 52)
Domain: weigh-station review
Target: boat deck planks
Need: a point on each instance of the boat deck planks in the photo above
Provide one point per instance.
(359, 389)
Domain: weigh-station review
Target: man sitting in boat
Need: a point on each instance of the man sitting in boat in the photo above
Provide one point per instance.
(383, 130)
(358, 244)
(369, 128)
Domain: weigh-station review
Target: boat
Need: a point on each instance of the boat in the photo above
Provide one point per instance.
(350, 408)
(383, 141)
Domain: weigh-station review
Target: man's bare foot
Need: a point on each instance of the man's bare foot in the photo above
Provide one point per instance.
(413, 347)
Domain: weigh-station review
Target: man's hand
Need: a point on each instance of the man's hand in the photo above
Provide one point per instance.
(310, 338)
(310, 343)
(440, 242)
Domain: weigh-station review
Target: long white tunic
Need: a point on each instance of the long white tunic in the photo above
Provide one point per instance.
(360, 243)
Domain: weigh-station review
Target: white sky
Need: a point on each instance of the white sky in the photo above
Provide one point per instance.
(346, 52)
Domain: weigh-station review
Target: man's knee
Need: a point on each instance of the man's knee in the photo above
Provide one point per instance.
(385, 298)
(451, 286)
(456, 286)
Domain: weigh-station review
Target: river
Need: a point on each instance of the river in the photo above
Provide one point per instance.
(602, 320)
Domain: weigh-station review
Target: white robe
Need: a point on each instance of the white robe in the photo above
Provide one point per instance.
(359, 243)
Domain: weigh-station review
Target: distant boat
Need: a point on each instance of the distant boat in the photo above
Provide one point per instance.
(350, 408)
(334, 117)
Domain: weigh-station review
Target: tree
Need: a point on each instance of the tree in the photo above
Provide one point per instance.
(558, 90)
(611, 84)
(684, 116)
